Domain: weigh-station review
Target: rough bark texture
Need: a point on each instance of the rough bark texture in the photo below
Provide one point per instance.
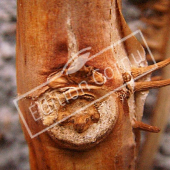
(48, 34)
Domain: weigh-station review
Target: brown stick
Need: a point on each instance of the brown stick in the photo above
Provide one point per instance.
(142, 86)
(139, 71)
(145, 127)
(48, 34)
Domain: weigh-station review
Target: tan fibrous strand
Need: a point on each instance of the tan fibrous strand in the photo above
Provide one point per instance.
(57, 82)
(143, 70)
(87, 74)
(144, 86)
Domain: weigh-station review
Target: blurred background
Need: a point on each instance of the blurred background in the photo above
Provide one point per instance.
(13, 148)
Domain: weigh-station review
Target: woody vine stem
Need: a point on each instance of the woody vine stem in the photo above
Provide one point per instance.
(90, 100)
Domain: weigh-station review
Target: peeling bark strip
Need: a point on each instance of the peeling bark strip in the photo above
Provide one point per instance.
(49, 34)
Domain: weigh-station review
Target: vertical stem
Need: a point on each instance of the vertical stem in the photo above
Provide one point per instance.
(48, 34)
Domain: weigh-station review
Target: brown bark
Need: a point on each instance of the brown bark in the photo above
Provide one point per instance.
(48, 33)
